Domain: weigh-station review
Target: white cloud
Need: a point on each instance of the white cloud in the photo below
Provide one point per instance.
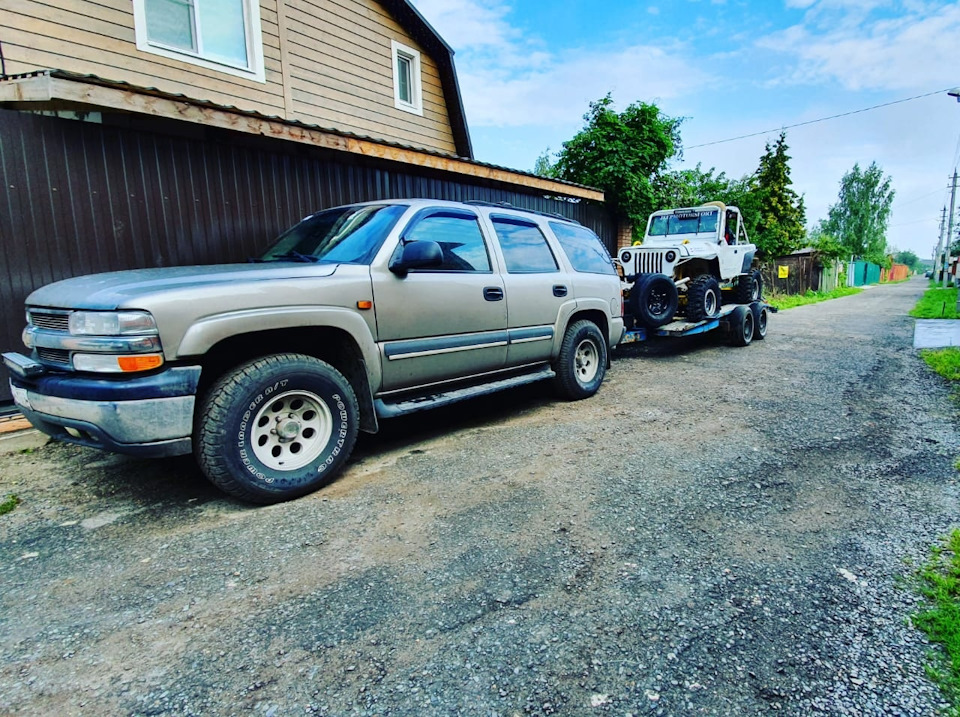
(916, 49)
(509, 79)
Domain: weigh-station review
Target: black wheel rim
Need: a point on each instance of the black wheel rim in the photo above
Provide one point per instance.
(658, 302)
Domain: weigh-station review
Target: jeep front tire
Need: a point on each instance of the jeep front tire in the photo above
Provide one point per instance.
(276, 428)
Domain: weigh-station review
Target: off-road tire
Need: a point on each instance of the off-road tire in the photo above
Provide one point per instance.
(276, 428)
(760, 317)
(749, 287)
(703, 298)
(582, 363)
(740, 321)
(653, 300)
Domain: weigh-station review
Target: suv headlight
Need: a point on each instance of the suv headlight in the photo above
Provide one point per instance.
(112, 323)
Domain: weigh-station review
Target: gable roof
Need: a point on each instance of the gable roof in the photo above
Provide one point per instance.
(413, 22)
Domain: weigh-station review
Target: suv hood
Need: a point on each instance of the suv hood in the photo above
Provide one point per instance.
(123, 289)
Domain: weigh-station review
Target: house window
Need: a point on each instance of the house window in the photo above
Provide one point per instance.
(407, 95)
(222, 35)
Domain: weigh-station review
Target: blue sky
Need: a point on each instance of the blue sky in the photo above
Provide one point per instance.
(528, 70)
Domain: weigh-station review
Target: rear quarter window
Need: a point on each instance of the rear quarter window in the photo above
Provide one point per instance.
(583, 248)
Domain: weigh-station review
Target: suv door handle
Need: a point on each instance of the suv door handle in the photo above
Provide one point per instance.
(559, 290)
(493, 293)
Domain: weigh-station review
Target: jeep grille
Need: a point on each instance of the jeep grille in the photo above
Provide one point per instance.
(643, 261)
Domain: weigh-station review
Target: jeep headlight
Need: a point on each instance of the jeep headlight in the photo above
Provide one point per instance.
(112, 323)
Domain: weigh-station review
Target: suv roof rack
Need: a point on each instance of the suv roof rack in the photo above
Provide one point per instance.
(508, 205)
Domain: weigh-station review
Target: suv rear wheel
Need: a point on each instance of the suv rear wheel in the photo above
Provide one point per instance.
(582, 363)
(276, 428)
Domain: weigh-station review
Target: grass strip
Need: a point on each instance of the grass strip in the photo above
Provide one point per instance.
(789, 301)
(939, 583)
(8, 504)
(945, 362)
(936, 304)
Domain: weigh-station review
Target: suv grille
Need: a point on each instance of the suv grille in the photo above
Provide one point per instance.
(51, 320)
(57, 356)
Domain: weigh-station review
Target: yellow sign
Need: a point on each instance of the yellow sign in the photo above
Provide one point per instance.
(783, 272)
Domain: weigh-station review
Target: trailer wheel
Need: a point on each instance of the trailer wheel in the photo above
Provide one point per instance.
(741, 326)
(654, 300)
(749, 287)
(703, 298)
(582, 363)
(760, 315)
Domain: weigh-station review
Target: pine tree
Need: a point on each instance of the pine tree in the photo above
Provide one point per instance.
(775, 212)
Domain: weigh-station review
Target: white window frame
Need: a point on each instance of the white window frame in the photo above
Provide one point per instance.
(397, 50)
(251, 21)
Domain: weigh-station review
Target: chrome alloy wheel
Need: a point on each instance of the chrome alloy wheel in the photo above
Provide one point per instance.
(291, 430)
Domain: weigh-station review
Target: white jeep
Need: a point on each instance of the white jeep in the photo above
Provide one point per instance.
(694, 258)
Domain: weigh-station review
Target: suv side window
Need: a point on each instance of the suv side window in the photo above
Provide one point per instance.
(524, 246)
(459, 237)
(583, 249)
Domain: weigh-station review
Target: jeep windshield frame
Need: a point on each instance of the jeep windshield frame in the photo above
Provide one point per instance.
(343, 235)
(687, 222)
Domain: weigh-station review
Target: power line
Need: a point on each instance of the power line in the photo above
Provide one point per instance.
(815, 121)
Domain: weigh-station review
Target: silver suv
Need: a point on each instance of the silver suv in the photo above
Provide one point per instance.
(267, 370)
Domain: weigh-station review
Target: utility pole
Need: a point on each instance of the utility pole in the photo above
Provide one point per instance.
(936, 254)
(946, 249)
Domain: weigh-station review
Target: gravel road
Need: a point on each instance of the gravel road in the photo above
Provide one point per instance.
(718, 531)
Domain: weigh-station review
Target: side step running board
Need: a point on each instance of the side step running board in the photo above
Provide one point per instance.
(435, 400)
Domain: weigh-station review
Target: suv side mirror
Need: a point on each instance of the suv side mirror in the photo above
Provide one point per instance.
(416, 255)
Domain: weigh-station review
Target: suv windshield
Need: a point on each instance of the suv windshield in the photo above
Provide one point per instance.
(346, 235)
(687, 222)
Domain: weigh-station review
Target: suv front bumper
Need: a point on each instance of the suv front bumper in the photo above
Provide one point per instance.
(144, 416)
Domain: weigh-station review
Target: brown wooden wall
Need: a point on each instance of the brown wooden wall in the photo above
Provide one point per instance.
(327, 62)
(83, 197)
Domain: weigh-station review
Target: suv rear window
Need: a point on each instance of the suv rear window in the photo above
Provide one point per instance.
(583, 249)
(524, 247)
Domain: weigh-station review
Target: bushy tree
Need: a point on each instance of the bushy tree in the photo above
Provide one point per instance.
(827, 245)
(860, 217)
(908, 258)
(778, 214)
(543, 167)
(621, 153)
(690, 188)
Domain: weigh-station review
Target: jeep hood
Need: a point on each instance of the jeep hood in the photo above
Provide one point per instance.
(127, 289)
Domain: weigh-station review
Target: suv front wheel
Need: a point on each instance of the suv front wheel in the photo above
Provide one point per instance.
(276, 428)
(582, 363)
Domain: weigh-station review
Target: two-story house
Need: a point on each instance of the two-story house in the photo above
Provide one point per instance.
(141, 133)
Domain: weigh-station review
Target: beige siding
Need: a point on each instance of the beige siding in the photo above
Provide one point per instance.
(98, 38)
(341, 73)
(333, 68)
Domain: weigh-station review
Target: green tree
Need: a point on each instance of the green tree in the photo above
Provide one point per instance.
(827, 245)
(690, 188)
(859, 218)
(778, 214)
(543, 167)
(623, 154)
(908, 258)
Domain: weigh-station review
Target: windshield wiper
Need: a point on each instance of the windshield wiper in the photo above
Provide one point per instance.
(296, 256)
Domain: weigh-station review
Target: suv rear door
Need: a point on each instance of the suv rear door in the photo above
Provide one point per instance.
(538, 288)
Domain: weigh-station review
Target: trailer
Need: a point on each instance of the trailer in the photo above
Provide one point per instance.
(743, 324)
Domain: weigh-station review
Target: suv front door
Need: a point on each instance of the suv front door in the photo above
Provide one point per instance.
(445, 322)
